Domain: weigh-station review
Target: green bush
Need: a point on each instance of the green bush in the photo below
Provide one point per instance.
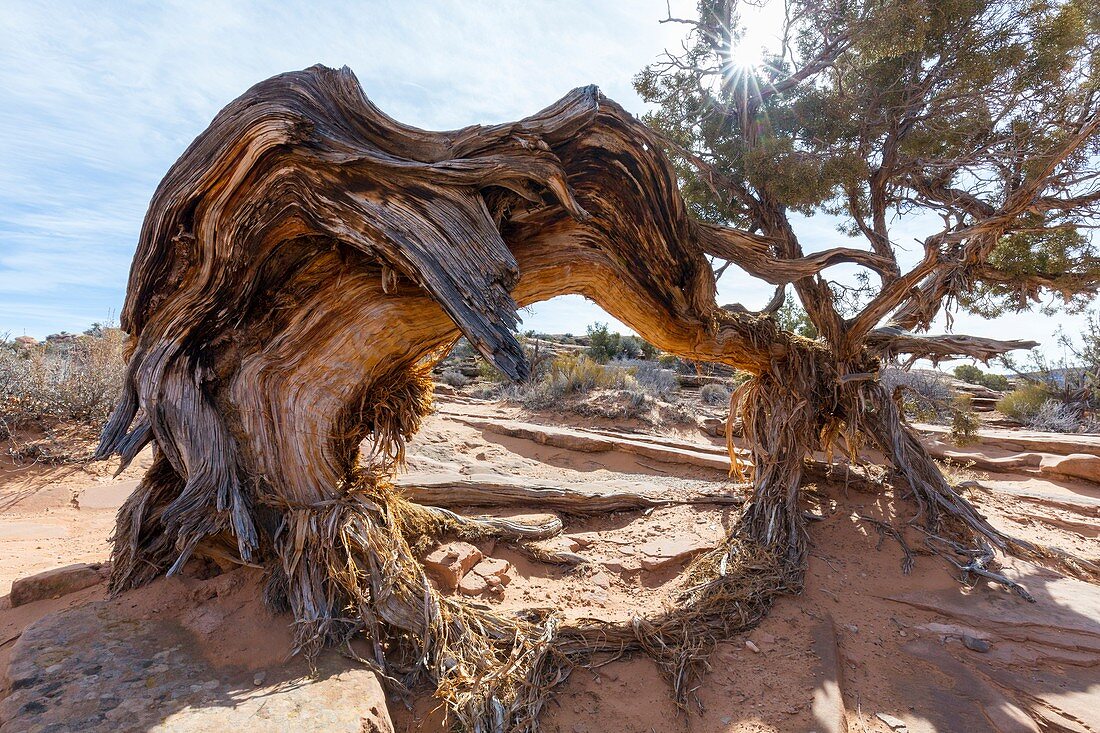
(1024, 402)
(998, 382)
(964, 422)
(969, 373)
(603, 346)
(974, 375)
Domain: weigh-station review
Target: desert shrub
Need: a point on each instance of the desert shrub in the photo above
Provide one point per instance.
(74, 382)
(1056, 416)
(462, 350)
(714, 394)
(629, 348)
(964, 422)
(603, 346)
(998, 382)
(485, 392)
(454, 378)
(1024, 402)
(969, 373)
(924, 395)
(650, 376)
(488, 372)
(669, 361)
(569, 375)
(974, 375)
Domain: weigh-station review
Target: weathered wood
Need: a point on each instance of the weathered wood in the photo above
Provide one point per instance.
(307, 261)
(461, 491)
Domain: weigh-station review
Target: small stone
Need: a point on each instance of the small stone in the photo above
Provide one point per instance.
(975, 644)
(493, 567)
(258, 678)
(890, 720)
(600, 580)
(668, 551)
(450, 562)
(557, 549)
(766, 638)
(751, 646)
(57, 582)
(472, 585)
(852, 628)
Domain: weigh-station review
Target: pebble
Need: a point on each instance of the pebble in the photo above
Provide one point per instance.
(752, 647)
(975, 644)
(894, 723)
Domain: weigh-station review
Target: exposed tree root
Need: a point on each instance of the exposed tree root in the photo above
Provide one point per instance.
(953, 526)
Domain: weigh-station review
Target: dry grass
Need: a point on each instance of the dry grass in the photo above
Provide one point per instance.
(55, 396)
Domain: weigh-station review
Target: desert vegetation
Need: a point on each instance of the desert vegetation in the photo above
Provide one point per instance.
(56, 395)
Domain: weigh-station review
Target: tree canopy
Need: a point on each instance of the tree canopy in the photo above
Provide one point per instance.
(975, 121)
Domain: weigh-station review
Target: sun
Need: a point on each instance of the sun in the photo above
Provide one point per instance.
(750, 48)
(755, 38)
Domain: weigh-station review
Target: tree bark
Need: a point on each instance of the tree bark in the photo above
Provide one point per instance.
(304, 264)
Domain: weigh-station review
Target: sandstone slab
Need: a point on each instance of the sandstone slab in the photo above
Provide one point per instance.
(57, 582)
(1075, 465)
(668, 551)
(449, 563)
(96, 670)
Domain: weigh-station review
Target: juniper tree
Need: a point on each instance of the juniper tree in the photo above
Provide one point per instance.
(308, 259)
(975, 121)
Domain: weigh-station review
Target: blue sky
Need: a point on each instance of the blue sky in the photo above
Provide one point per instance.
(97, 100)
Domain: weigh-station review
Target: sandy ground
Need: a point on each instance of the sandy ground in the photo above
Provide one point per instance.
(861, 640)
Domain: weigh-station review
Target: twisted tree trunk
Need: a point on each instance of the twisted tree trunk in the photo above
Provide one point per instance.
(304, 264)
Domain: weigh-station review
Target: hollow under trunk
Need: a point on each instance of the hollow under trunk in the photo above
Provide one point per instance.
(301, 268)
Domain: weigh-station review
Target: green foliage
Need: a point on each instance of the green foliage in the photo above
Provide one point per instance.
(964, 422)
(649, 351)
(488, 372)
(1018, 259)
(603, 345)
(940, 107)
(969, 373)
(997, 382)
(1024, 402)
(791, 317)
(670, 361)
(974, 375)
